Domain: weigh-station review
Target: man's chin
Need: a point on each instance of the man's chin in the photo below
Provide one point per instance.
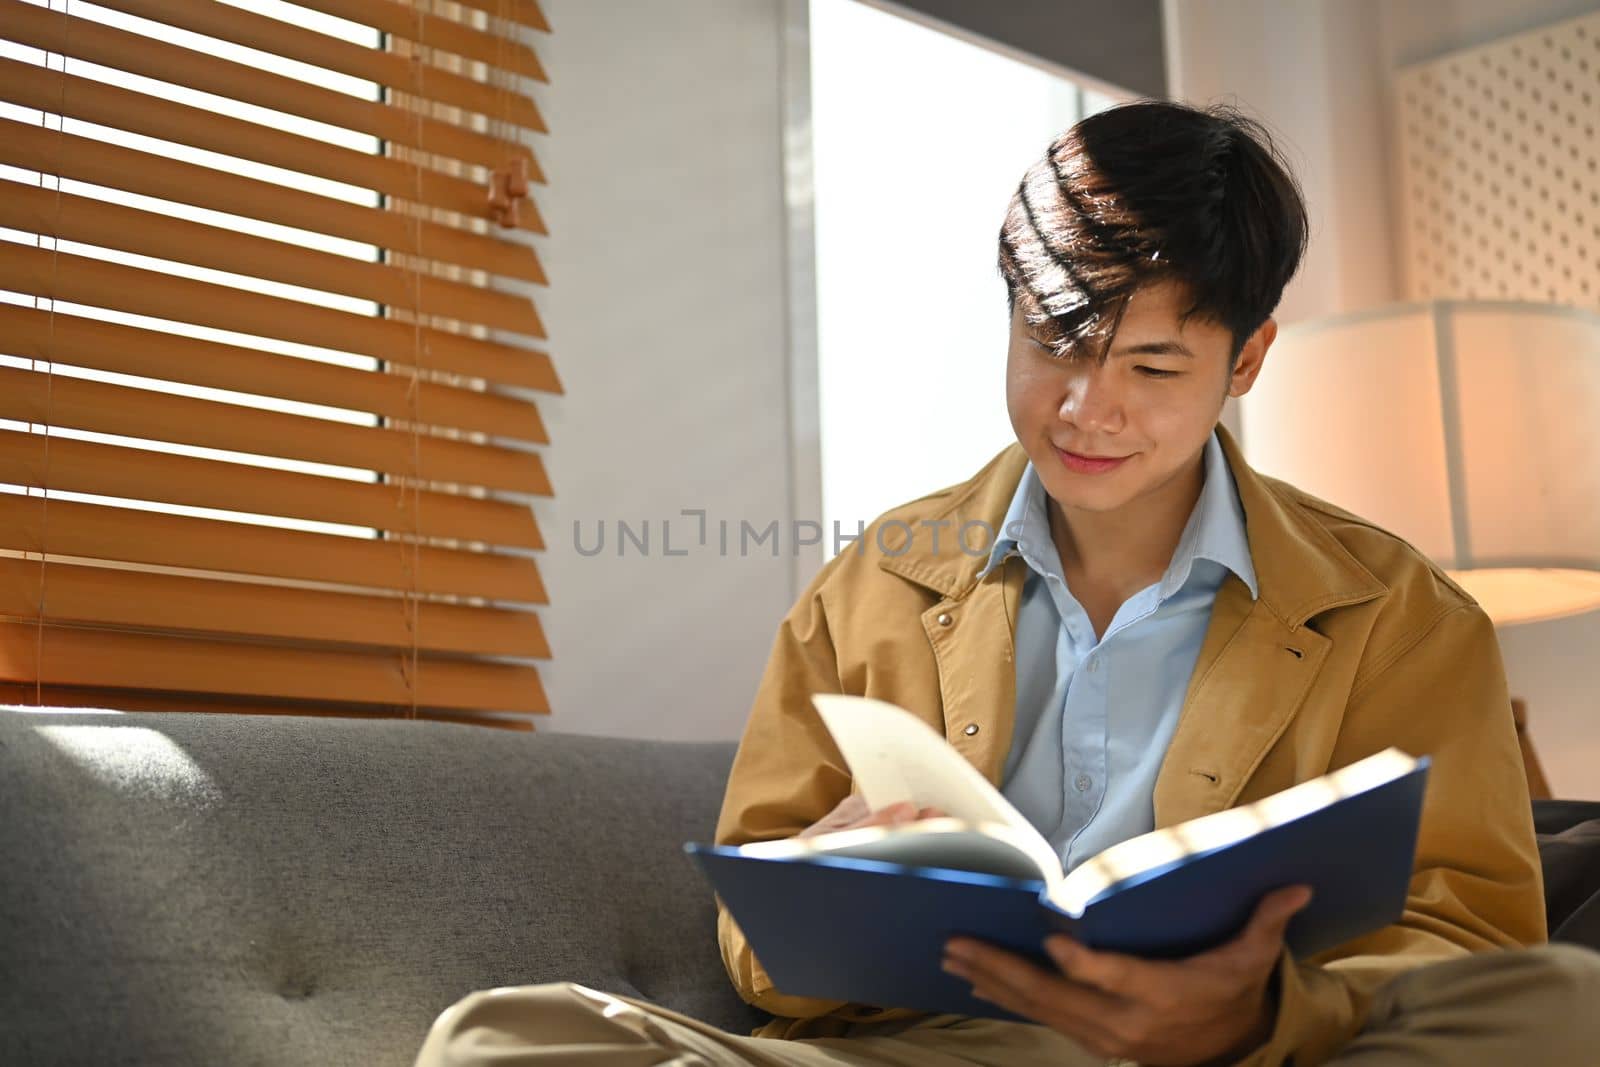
(1088, 499)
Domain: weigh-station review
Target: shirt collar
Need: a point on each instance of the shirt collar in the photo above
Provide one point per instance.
(1025, 531)
(1215, 530)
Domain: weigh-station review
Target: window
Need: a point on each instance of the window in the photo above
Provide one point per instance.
(919, 139)
(268, 427)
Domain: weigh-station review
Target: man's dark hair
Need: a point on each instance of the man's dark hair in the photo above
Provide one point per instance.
(1150, 192)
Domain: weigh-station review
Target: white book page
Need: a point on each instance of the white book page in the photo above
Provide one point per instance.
(951, 844)
(895, 757)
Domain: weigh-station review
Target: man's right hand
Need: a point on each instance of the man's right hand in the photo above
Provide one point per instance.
(852, 814)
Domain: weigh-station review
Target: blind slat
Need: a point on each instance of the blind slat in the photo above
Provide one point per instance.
(30, 333)
(109, 105)
(64, 464)
(81, 38)
(60, 655)
(434, 31)
(422, 80)
(108, 225)
(59, 400)
(99, 163)
(100, 531)
(69, 593)
(524, 12)
(81, 280)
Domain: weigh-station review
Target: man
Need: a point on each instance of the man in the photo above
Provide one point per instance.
(1154, 633)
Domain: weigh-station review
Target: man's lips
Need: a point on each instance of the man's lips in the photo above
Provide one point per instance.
(1082, 464)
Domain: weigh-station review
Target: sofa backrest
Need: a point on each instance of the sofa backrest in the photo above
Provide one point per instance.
(195, 889)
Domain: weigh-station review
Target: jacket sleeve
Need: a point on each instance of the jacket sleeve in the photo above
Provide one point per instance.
(787, 775)
(1476, 884)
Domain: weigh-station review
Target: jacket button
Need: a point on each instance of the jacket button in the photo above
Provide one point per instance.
(971, 729)
(945, 619)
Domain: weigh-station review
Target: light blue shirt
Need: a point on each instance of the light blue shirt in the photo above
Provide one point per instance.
(1094, 718)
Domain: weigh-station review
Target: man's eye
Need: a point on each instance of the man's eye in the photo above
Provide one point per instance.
(1156, 372)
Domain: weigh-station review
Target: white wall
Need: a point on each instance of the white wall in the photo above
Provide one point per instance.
(1311, 71)
(667, 325)
(1317, 72)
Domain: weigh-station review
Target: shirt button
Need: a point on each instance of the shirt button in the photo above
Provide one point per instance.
(945, 619)
(1094, 665)
(1083, 782)
(971, 729)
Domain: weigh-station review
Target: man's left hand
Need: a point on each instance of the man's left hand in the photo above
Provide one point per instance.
(1173, 1013)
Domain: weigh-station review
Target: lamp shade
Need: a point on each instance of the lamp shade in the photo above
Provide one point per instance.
(1471, 429)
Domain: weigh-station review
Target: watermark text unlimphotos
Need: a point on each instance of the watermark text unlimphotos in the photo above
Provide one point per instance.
(692, 531)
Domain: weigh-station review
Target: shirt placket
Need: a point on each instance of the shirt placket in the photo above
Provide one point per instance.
(1086, 751)
(1083, 733)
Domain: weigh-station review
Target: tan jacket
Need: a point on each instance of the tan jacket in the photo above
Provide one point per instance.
(1356, 643)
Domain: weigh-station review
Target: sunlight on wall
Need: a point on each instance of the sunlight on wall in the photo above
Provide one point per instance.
(919, 141)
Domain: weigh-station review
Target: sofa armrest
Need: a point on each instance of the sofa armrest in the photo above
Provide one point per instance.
(1569, 853)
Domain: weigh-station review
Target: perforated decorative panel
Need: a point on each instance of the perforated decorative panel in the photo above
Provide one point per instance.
(1500, 169)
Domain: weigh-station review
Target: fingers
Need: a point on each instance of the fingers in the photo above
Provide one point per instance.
(1256, 948)
(1260, 943)
(848, 812)
(893, 815)
(1109, 971)
(1019, 986)
(1272, 916)
(852, 813)
(1290, 899)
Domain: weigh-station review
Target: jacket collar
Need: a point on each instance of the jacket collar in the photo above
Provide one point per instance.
(1301, 568)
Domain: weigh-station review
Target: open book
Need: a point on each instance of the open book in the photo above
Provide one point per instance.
(863, 915)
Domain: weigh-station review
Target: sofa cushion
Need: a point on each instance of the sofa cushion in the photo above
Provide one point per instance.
(1569, 852)
(195, 889)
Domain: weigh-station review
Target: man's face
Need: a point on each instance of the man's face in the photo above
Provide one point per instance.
(1107, 436)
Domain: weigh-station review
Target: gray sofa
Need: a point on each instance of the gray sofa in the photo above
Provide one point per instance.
(215, 891)
(240, 890)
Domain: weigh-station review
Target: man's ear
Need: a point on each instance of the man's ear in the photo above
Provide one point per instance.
(1251, 357)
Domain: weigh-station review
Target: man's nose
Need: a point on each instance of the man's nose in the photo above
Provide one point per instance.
(1093, 401)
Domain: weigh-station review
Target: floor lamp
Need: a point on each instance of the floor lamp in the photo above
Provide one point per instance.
(1470, 428)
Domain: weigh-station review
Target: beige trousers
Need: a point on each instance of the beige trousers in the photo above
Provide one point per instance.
(1506, 1009)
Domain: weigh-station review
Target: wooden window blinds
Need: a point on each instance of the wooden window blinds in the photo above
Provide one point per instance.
(269, 363)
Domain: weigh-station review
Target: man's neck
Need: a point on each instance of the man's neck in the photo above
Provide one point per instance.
(1123, 551)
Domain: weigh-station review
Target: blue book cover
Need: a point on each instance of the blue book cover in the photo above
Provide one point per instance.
(864, 915)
